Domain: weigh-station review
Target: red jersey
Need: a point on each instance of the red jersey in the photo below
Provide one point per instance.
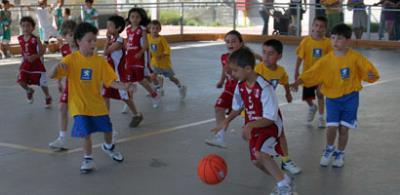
(29, 48)
(117, 58)
(230, 82)
(134, 45)
(65, 50)
(259, 101)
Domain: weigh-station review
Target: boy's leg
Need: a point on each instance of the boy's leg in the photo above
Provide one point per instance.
(87, 146)
(59, 143)
(308, 97)
(321, 109)
(223, 103)
(109, 148)
(137, 116)
(342, 142)
(287, 163)
(182, 88)
(154, 95)
(87, 163)
(45, 90)
(29, 91)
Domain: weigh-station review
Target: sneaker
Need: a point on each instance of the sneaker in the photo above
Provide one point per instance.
(284, 190)
(182, 91)
(117, 156)
(214, 140)
(156, 101)
(338, 161)
(291, 167)
(321, 122)
(136, 121)
(311, 113)
(48, 102)
(29, 95)
(326, 156)
(59, 143)
(87, 165)
(124, 109)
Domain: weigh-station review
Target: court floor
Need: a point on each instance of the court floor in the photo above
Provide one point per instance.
(163, 152)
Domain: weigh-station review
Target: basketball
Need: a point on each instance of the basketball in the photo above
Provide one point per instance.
(212, 169)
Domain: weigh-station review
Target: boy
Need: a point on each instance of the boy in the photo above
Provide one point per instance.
(86, 73)
(116, 58)
(263, 125)
(310, 50)
(160, 58)
(339, 74)
(89, 13)
(32, 70)
(276, 74)
(5, 38)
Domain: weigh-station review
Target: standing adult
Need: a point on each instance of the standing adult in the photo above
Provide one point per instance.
(295, 14)
(359, 16)
(319, 10)
(334, 12)
(265, 13)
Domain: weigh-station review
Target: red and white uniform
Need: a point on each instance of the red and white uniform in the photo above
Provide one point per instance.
(117, 61)
(134, 70)
(260, 101)
(32, 73)
(65, 50)
(225, 99)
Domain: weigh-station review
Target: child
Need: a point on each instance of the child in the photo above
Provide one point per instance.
(86, 73)
(310, 50)
(116, 58)
(67, 46)
(89, 13)
(58, 14)
(32, 70)
(46, 30)
(263, 125)
(340, 74)
(160, 58)
(135, 48)
(6, 25)
(276, 74)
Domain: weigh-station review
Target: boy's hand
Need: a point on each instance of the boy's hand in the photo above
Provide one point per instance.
(246, 133)
(289, 97)
(220, 84)
(296, 75)
(371, 76)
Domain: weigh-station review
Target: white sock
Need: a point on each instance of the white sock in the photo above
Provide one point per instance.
(221, 134)
(108, 146)
(285, 181)
(61, 134)
(88, 156)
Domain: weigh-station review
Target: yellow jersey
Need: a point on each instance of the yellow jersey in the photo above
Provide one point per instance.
(86, 77)
(311, 50)
(340, 75)
(275, 77)
(157, 47)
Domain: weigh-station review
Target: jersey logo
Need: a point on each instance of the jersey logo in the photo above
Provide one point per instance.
(86, 74)
(274, 82)
(345, 73)
(153, 47)
(317, 52)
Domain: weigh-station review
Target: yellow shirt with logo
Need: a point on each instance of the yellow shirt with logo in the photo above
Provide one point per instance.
(340, 75)
(311, 50)
(275, 77)
(157, 47)
(86, 77)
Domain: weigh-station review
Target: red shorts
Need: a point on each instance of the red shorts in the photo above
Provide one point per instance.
(115, 94)
(134, 74)
(265, 140)
(37, 78)
(225, 100)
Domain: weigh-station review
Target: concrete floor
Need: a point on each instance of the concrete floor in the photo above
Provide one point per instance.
(162, 154)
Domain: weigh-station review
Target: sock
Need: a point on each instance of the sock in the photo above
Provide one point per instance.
(221, 134)
(330, 147)
(108, 146)
(61, 134)
(87, 156)
(285, 159)
(153, 94)
(285, 181)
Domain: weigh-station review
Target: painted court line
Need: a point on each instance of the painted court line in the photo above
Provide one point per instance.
(145, 135)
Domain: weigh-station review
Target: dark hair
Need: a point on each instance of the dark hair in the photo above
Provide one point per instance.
(68, 26)
(321, 19)
(143, 15)
(89, 1)
(67, 11)
(118, 21)
(342, 30)
(84, 28)
(274, 43)
(5, 1)
(235, 33)
(242, 57)
(28, 19)
(155, 22)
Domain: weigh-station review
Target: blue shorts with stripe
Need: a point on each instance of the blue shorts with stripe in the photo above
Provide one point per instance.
(85, 125)
(342, 110)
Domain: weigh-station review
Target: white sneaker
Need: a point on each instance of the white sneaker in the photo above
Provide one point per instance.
(214, 140)
(117, 156)
(338, 161)
(87, 165)
(59, 143)
(182, 91)
(321, 122)
(311, 113)
(326, 156)
(124, 109)
(156, 101)
(291, 167)
(284, 190)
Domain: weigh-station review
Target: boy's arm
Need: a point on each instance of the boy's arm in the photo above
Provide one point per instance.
(119, 85)
(108, 49)
(221, 79)
(297, 68)
(145, 45)
(288, 94)
(369, 73)
(58, 71)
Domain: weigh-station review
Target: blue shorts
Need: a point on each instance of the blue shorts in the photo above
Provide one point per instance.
(166, 72)
(86, 125)
(342, 111)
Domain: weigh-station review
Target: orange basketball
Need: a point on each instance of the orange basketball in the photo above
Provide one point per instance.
(212, 169)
